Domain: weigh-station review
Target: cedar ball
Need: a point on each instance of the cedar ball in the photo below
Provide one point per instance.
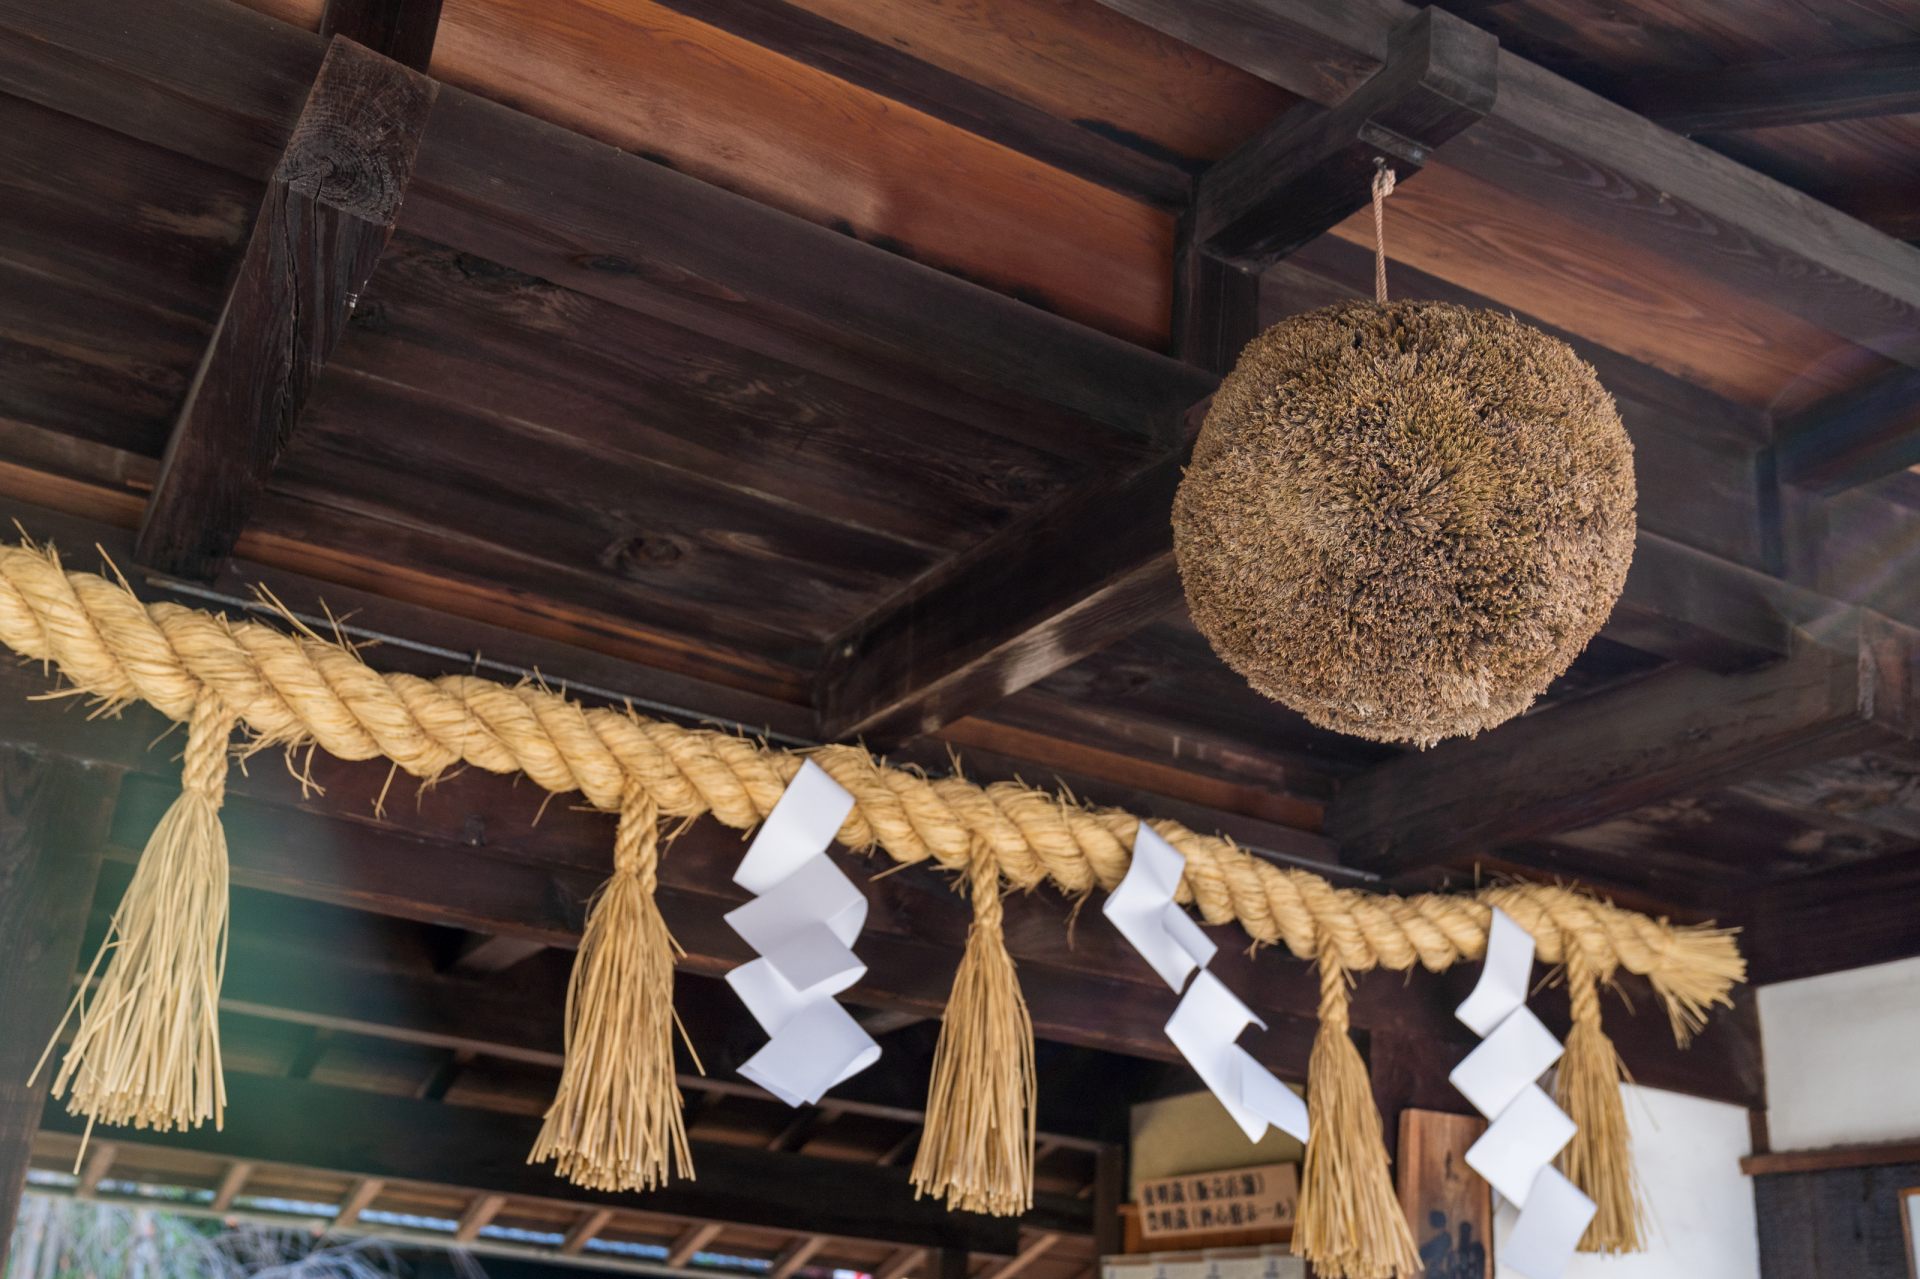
(1405, 520)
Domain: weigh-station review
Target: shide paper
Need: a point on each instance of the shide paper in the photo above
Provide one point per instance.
(1210, 1017)
(802, 923)
(1527, 1129)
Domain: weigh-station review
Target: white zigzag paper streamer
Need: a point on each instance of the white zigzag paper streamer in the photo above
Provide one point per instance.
(802, 922)
(1526, 1130)
(1210, 1017)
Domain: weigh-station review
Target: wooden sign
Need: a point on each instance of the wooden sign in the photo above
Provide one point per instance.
(1234, 1201)
(1447, 1203)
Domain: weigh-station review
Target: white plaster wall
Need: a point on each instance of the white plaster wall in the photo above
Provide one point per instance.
(1843, 1057)
(1686, 1153)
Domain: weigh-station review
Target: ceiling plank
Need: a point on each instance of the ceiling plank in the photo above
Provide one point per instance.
(1848, 84)
(1853, 438)
(329, 209)
(894, 72)
(1675, 731)
(403, 30)
(1314, 167)
(381, 1138)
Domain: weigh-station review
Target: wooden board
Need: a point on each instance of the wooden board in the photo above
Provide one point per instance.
(1448, 1204)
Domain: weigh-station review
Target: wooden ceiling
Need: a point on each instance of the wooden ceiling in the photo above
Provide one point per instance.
(823, 367)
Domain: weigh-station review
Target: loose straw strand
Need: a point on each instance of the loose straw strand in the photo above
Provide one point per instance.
(1383, 179)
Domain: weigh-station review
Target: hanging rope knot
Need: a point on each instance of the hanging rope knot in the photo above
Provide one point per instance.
(203, 767)
(1383, 179)
(1587, 1086)
(1334, 992)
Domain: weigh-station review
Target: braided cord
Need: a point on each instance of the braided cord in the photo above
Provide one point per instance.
(294, 689)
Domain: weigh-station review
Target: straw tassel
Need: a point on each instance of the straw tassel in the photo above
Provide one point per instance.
(146, 1051)
(977, 1149)
(1599, 1160)
(1350, 1224)
(616, 1120)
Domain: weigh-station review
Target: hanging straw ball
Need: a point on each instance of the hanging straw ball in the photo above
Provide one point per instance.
(1405, 520)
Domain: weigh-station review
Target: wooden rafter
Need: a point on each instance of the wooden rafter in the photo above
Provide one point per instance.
(330, 206)
(1851, 84)
(1675, 731)
(583, 1231)
(394, 1138)
(403, 30)
(50, 814)
(1569, 149)
(1854, 438)
(683, 1249)
(1313, 167)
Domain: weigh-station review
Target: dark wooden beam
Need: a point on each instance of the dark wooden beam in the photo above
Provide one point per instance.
(1672, 732)
(1030, 600)
(1572, 151)
(1315, 166)
(396, 1138)
(330, 205)
(894, 72)
(1850, 84)
(1855, 437)
(53, 820)
(403, 30)
(1848, 917)
(1216, 305)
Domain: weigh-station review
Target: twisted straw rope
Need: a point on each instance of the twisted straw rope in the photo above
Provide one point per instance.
(293, 689)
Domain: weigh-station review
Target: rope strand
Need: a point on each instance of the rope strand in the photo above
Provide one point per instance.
(1383, 179)
(295, 689)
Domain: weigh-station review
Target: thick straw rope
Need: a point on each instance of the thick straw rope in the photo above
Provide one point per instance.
(293, 689)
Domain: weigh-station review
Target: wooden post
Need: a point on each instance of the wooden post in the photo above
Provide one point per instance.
(53, 824)
(1109, 1192)
(955, 1263)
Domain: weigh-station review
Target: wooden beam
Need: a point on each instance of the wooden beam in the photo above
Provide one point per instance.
(894, 72)
(795, 1255)
(1314, 166)
(1034, 1249)
(582, 1232)
(901, 1264)
(1833, 920)
(1030, 600)
(481, 955)
(330, 205)
(690, 1242)
(1878, 1155)
(368, 1135)
(1849, 84)
(1855, 437)
(359, 1198)
(403, 30)
(1675, 731)
(232, 1182)
(53, 815)
(1571, 150)
(1216, 305)
(100, 1157)
(478, 1216)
